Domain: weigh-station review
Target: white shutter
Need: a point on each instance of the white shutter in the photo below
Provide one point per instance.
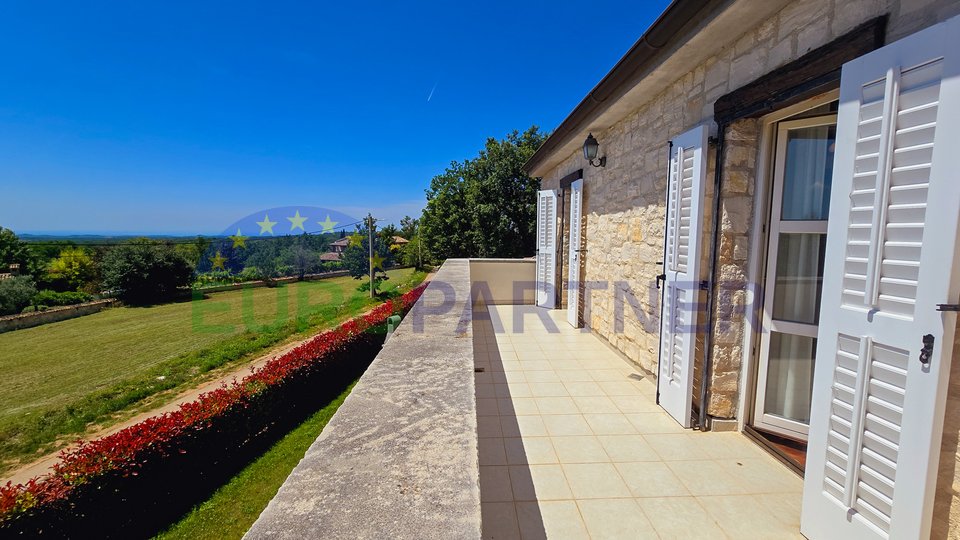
(573, 274)
(546, 248)
(682, 268)
(877, 415)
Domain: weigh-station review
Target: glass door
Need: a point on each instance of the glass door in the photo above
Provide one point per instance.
(803, 170)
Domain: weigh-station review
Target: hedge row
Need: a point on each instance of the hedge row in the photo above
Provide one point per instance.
(135, 481)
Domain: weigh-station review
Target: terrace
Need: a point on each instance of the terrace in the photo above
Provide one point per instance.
(486, 415)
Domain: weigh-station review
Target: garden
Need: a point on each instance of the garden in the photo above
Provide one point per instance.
(142, 479)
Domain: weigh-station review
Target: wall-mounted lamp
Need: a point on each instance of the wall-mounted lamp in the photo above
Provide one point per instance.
(590, 150)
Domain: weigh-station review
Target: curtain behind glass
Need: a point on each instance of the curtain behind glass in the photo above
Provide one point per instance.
(808, 173)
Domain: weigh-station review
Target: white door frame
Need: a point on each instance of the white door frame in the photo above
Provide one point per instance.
(757, 256)
(573, 262)
(777, 424)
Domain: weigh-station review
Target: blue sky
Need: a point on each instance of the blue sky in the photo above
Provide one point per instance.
(182, 117)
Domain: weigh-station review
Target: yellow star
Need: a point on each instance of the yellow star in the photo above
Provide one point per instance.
(297, 222)
(239, 240)
(356, 240)
(327, 224)
(376, 261)
(266, 225)
(218, 261)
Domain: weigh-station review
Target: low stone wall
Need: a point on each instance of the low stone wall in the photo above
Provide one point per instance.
(28, 320)
(399, 458)
(256, 284)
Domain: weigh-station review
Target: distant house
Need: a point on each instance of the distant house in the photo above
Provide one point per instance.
(330, 256)
(398, 242)
(336, 250)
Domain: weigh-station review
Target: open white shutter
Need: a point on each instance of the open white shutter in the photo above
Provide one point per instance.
(546, 248)
(573, 273)
(877, 415)
(682, 268)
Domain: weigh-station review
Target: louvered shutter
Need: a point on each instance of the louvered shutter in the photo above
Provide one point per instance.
(877, 415)
(546, 248)
(682, 269)
(573, 270)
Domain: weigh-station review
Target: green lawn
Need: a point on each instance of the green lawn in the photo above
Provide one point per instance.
(60, 377)
(235, 506)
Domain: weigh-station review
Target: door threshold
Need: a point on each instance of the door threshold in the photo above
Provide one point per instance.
(791, 453)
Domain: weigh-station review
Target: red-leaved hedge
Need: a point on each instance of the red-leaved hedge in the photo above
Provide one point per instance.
(128, 451)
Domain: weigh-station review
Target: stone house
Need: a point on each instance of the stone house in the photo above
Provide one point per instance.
(755, 205)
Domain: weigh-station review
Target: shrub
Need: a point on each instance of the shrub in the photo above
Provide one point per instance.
(15, 294)
(72, 269)
(95, 474)
(47, 297)
(145, 271)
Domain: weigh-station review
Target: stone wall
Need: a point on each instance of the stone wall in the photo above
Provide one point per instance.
(624, 202)
(29, 320)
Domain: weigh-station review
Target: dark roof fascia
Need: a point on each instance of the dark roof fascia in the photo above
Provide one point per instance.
(626, 73)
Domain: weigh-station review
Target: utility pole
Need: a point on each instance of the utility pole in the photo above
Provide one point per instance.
(370, 249)
(419, 245)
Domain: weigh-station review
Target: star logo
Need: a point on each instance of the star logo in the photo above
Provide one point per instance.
(356, 240)
(218, 261)
(327, 224)
(239, 240)
(376, 261)
(266, 225)
(296, 222)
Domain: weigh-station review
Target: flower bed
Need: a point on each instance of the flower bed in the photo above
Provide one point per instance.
(139, 475)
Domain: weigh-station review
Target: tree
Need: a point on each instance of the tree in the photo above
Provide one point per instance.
(72, 269)
(409, 227)
(16, 251)
(356, 257)
(301, 258)
(16, 294)
(486, 206)
(144, 271)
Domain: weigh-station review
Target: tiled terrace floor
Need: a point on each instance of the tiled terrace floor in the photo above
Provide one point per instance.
(572, 445)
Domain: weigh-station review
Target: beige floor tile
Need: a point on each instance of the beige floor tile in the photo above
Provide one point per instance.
(581, 449)
(499, 521)
(487, 407)
(574, 375)
(517, 406)
(556, 405)
(539, 483)
(609, 376)
(745, 517)
(559, 425)
(675, 446)
(513, 390)
(784, 506)
(489, 426)
(485, 391)
(530, 355)
(655, 422)
(526, 426)
(535, 365)
(651, 479)
(619, 388)
(510, 377)
(548, 389)
(626, 448)
(584, 389)
(680, 518)
(595, 405)
(705, 478)
(507, 365)
(635, 404)
(730, 446)
(556, 520)
(615, 519)
(495, 484)
(762, 475)
(562, 364)
(595, 481)
(610, 424)
(491, 452)
(545, 376)
(529, 451)
(483, 378)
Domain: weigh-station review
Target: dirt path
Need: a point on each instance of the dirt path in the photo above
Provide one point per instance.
(42, 466)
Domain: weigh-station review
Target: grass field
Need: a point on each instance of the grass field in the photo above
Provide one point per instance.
(61, 377)
(234, 507)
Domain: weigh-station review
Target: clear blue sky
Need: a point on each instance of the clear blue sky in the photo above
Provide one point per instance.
(182, 117)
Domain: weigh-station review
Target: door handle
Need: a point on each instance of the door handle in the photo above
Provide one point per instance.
(661, 277)
(927, 351)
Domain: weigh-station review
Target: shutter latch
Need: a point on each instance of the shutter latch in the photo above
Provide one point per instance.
(927, 350)
(948, 307)
(660, 277)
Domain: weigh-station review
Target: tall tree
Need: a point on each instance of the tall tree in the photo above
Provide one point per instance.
(485, 206)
